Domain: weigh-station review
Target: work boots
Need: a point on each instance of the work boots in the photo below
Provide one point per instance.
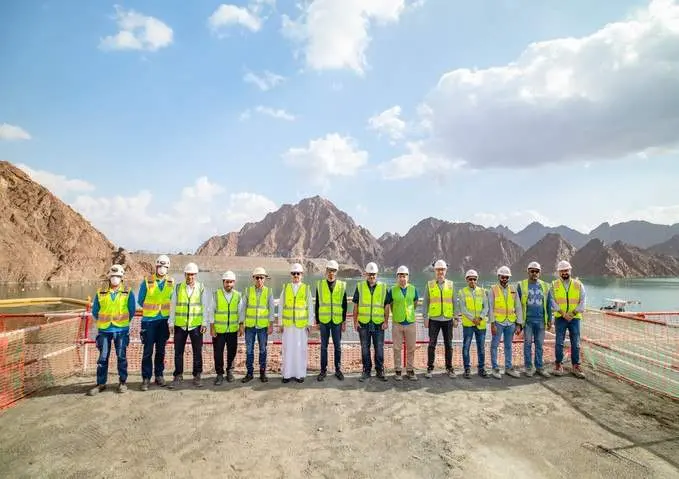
(262, 376)
(577, 372)
(247, 378)
(160, 381)
(176, 381)
(122, 388)
(229, 376)
(196, 381)
(96, 389)
(145, 385)
(219, 379)
(558, 370)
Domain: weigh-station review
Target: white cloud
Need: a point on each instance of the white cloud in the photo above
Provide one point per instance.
(266, 111)
(265, 82)
(228, 15)
(389, 123)
(417, 162)
(12, 132)
(57, 184)
(332, 155)
(514, 220)
(137, 32)
(665, 215)
(607, 95)
(335, 34)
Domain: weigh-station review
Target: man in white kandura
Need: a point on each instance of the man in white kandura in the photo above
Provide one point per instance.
(296, 316)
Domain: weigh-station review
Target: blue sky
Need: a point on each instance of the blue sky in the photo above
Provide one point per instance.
(166, 122)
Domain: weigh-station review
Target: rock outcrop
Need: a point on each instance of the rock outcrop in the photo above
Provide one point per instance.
(621, 260)
(548, 252)
(223, 245)
(638, 233)
(669, 247)
(388, 240)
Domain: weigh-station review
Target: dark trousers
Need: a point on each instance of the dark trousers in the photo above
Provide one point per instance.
(230, 340)
(180, 336)
(367, 333)
(154, 334)
(120, 340)
(334, 330)
(262, 336)
(469, 333)
(446, 327)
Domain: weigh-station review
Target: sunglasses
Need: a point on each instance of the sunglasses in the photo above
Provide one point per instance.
(504, 278)
(295, 274)
(533, 271)
(471, 279)
(259, 277)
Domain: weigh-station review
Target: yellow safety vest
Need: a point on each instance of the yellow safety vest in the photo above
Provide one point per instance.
(157, 300)
(473, 301)
(113, 312)
(567, 300)
(441, 299)
(330, 303)
(257, 313)
(371, 305)
(504, 310)
(524, 298)
(188, 312)
(403, 306)
(226, 312)
(295, 306)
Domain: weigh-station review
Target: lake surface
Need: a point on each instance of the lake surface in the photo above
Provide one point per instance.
(655, 294)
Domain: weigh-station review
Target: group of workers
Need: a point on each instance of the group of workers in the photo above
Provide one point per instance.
(189, 309)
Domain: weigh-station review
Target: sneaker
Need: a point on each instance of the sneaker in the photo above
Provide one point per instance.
(577, 372)
(339, 375)
(219, 379)
(321, 376)
(558, 370)
(530, 372)
(285, 380)
(262, 377)
(229, 377)
(412, 376)
(122, 388)
(496, 374)
(513, 373)
(397, 376)
(145, 385)
(196, 381)
(428, 374)
(299, 380)
(483, 373)
(96, 389)
(451, 373)
(176, 382)
(543, 372)
(467, 373)
(381, 376)
(160, 381)
(364, 376)
(247, 378)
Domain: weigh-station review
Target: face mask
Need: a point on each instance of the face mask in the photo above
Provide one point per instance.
(115, 280)
(162, 270)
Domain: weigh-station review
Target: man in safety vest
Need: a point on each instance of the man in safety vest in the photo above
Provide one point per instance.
(568, 303)
(370, 321)
(473, 305)
(505, 319)
(224, 326)
(155, 296)
(401, 302)
(438, 309)
(296, 316)
(331, 315)
(536, 304)
(256, 321)
(189, 312)
(113, 309)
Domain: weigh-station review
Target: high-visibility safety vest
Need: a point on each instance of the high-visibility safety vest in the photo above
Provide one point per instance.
(330, 302)
(188, 312)
(441, 299)
(567, 299)
(403, 305)
(157, 300)
(371, 304)
(257, 312)
(504, 309)
(524, 298)
(113, 312)
(226, 312)
(473, 301)
(295, 306)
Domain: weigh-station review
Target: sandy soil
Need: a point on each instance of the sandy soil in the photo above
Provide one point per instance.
(561, 427)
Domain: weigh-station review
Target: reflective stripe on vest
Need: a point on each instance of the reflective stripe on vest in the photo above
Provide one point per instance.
(157, 300)
(188, 312)
(371, 305)
(330, 303)
(473, 301)
(113, 312)
(567, 300)
(403, 306)
(257, 312)
(295, 306)
(226, 312)
(524, 298)
(441, 299)
(504, 309)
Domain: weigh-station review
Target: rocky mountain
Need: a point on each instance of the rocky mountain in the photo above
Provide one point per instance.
(388, 240)
(222, 245)
(551, 249)
(43, 239)
(638, 233)
(509, 234)
(535, 231)
(669, 247)
(462, 245)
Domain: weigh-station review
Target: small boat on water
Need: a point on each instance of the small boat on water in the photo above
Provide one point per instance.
(618, 305)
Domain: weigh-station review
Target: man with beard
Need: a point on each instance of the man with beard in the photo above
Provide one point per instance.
(568, 303)
(370, 321)
(505, 318)
(536, 303)
(224, 326)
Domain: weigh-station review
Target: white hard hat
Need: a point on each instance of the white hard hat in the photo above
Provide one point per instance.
(259, 271)
(402, 270)
(163, 260)
(471, 274)
(191, 268)
(504, 271)
(534, 265)
(440, 264)
(296, 268)
(563, 265)
(229, 275)
(371, 268)
(116, 270)
(332, 264)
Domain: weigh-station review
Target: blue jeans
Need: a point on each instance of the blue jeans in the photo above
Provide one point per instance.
(507, 333)
(534, 331)
(469, 332)
(334, 330)
(120, 340)
(372, 332)
(154, 333)
(573, 328)
(261, 334)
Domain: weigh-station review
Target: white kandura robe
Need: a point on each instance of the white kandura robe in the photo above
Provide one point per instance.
(295, 340)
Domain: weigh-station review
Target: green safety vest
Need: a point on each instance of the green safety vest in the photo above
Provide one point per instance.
(330, 302)
(295, 306)
(441, 299)
(188, 312)
(504, 310)
(567, 299)
(524, 297)
(257, 313)
(473, 301)
(371, 305)
(226, 312)
(157, 300)
(403, 306)
(113, 311)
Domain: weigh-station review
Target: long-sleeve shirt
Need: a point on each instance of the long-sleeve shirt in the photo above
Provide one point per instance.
(517, 307)
(258, 292)
(131, 309)
(141, 297)
(581, 304)
(206, 300)
(331, 285)
(462, 306)
(534, 301)
(425, 304)
(228, 297)
(309, 302)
